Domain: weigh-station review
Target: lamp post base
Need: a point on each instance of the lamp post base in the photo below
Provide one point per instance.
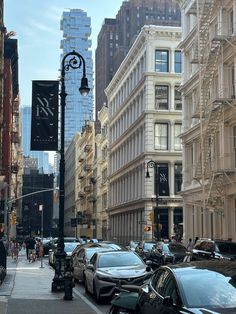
(58, 282)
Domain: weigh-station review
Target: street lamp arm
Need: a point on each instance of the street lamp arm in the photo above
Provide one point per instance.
(32, 193)
(75, 62)
(152, 164)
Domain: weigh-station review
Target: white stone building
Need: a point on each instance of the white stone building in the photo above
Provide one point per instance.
(209, 120)
(145, 117)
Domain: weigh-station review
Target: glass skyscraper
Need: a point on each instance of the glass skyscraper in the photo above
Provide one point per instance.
(76, 27)
(42, 157)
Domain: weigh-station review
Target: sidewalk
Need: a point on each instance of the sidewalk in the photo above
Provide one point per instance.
(27, 289)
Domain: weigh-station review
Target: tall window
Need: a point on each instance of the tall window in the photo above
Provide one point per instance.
(162, 97)
(233, 83)
(178, 99)
(234, 138)
(178, 62)
(178, 177)
(177, 142)
(162, 61)
(161, 136)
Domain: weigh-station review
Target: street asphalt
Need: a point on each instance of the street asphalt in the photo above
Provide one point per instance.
(26, 289)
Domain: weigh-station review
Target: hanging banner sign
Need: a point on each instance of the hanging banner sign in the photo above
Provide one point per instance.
(163, 181)
(44, 116)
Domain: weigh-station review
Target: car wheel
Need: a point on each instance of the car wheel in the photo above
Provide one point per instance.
(95, 294)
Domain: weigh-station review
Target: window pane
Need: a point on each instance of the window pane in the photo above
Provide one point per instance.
(178, 99)
(161, 95)
(177, 132)
(161, 136)
(178, 62)
(161, 61)
(178, 178)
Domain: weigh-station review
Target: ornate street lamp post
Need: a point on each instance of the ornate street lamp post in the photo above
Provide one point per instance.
(72, 60)
(154, 164)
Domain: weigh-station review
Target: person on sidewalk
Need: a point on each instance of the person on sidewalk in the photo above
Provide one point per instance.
(32, 250)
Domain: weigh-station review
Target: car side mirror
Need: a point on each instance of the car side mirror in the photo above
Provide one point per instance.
(168, 301)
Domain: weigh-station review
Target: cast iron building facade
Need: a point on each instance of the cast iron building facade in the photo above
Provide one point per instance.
(117, 35)
(76, 27)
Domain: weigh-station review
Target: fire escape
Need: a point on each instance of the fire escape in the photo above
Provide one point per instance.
(213, 99)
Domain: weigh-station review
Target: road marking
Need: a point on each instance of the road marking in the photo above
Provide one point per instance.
(88, 302)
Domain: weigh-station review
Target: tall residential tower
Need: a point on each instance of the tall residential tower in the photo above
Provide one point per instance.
(76, 27)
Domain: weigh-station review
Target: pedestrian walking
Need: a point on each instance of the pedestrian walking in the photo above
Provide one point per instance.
(14, 250)
(190, 245)
(32, 250)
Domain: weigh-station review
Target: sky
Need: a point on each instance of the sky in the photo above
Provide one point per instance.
(37, 27)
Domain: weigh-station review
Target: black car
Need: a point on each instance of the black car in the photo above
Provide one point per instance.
(199, 287)
(216, 249)
(173, 253)
(82, 254)
(159, 253)
(145, 249)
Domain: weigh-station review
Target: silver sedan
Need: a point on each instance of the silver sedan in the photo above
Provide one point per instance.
(109, 269)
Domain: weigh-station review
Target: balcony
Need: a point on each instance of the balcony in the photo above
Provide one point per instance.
(88, 128)
(87, 148)
(88, 167)
(81, 194)
(14, 168)
(87, 188)
(15, 137)
(92, 199)
(81, 159)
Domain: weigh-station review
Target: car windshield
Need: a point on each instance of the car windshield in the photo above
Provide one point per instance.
(117, 260)
(69, 247)
(176, 248)
(199, 293)
(226, 247)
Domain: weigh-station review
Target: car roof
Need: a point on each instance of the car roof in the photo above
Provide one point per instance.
(116, 252)
(227, 268)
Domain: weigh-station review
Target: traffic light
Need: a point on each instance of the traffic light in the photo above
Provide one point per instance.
(14, 219)
(147, 228)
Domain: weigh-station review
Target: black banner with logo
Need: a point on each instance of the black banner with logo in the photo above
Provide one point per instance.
(163, 180)
(44, 122)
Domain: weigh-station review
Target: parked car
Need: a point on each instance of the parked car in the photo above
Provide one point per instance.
(108, 269)
(48, 244)
(145, 249)
(132, 245)
(160, 253)
(80, 258)
(216, 249)
(173, 253)
(193, 288)
(69, 248)
(111, 244)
